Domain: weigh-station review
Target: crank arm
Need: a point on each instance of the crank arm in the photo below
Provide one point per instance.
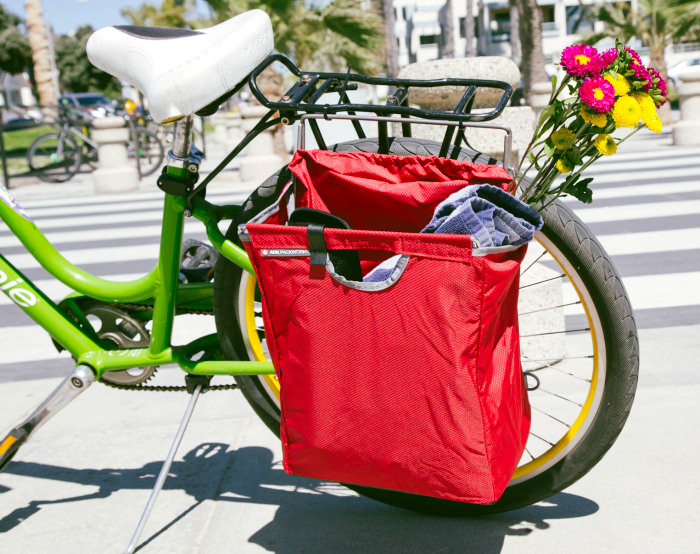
(79, 380)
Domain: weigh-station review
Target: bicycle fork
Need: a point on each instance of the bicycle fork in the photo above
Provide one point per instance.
(78, 381)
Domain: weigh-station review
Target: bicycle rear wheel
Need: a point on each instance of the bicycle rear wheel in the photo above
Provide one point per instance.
(149, 150)
(53, 159)
(578, 336)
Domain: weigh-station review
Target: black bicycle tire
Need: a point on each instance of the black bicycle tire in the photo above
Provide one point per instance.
(571, 237)
(161, 151)
(69, 173)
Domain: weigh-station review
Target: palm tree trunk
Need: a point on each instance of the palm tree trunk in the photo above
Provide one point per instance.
(469, 50)
(39, 43)
(658, 62)
(449, 50)
(531, 43)
(515, 32)
(392, 51)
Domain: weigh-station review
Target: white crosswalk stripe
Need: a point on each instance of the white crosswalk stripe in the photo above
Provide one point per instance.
(90, 232)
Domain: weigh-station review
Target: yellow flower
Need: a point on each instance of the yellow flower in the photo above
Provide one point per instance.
(653, 124)
(626, 112)
(649, 115)
(605, 144)
(565, 166)
(592, 116)
(562, 138)
(619, 83)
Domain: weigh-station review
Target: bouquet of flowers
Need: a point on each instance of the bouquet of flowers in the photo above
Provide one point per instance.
(606, 91)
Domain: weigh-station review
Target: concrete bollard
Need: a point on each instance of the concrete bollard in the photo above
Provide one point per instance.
(220, 131)
(687, 131)
(234, 133)
(539, 97)
(488, 141)
(116, 173)
(257, 161)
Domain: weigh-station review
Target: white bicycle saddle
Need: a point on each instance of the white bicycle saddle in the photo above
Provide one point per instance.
(181, 71)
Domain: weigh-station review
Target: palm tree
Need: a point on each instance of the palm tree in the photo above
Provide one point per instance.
(170, 14)
(532, 66)
(327, 37)
(391, 49)
(469, 50)
(514, 31)
(449, 50)
(657, 23)
(39, 43)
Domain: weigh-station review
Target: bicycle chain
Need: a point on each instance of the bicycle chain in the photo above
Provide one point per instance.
(161, 388)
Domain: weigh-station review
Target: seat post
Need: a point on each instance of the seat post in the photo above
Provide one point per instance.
(181, 138)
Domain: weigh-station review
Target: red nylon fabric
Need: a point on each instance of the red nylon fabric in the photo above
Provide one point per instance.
(403, 191)
(416, 387)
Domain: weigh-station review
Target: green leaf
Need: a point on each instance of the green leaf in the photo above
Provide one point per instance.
(569, 100)
(546, 113)
(531, 157)
(574, 155)
(549, 148)
(554, 85)
(581, 191)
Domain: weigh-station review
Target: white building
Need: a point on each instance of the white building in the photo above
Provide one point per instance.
(420, 24)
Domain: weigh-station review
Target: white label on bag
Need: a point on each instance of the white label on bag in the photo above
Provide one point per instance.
(284, 252)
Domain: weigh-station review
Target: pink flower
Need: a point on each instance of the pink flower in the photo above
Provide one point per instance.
(641, 74)
(597, 93)
(579, 60)
(634, 54)
(659, 89)
(606, 58)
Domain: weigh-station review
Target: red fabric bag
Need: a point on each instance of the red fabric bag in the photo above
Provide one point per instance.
(414, 383)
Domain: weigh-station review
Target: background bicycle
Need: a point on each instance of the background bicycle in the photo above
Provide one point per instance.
(56, 157)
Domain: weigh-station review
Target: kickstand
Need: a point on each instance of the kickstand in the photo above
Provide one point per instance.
(196, 384)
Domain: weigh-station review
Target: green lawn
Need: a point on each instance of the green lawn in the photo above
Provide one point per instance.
(16, 145)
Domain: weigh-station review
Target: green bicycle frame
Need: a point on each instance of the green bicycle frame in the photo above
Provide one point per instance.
(160, 288)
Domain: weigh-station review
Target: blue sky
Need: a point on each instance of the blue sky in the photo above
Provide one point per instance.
(66, 15)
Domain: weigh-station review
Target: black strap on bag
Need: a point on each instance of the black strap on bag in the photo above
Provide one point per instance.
(317, 244)
(345, 262)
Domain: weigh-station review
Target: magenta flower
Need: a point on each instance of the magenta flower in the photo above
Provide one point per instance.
(641, 74)
(604, 59)
(634, 54)
(597, 93)
(579, 60)
(659, 89)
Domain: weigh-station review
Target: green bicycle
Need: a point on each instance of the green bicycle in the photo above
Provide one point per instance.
(589, 368)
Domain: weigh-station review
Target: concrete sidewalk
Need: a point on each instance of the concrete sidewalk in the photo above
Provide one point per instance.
(81, 483)
(32, 188)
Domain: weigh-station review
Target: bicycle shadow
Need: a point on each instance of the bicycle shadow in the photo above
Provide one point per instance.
(313, 516)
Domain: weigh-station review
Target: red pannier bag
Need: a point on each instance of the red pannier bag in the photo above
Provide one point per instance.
(414, 383)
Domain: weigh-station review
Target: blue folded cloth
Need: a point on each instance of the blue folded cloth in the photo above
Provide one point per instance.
(489, 214)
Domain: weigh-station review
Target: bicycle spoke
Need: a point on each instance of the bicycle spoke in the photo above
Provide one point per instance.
(533, 263)
(558, 396)
(545, 281)
(543, 440)
(557, 332)
(549, 366)
(528, 452)
(552, 308)
(554, 418)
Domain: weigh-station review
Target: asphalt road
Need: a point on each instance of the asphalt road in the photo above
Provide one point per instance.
(81, 483)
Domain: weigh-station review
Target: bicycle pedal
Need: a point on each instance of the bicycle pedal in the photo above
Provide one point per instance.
(10, 445)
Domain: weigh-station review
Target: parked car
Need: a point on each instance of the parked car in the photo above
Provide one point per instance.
(95, 104)
(691, 64)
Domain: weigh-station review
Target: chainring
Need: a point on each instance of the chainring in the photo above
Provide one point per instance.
(125, 331)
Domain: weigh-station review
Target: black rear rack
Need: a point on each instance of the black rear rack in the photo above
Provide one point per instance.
(312, 85)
